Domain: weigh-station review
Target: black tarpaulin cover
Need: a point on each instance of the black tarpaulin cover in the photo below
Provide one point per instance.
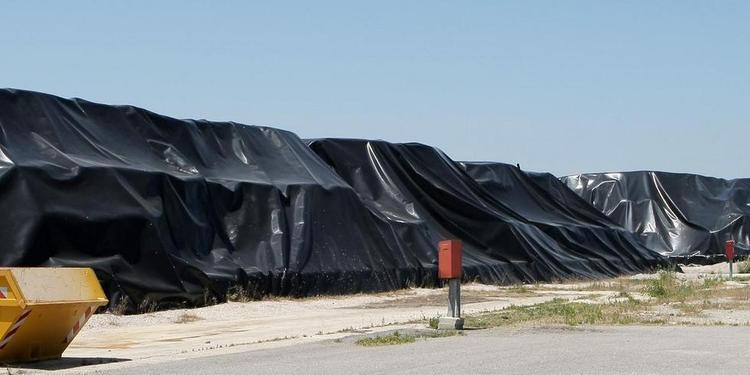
(685, 216)
(170, 210)
(422, 196)
(175, 212)
(543, 200)
(540, 197)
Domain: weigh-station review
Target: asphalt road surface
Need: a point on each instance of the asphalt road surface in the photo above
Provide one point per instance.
(588, 350)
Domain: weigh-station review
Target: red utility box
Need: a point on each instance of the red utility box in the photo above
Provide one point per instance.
(449, 259)
(729, 250)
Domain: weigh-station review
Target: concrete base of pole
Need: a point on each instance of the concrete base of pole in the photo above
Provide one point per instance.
(449, 323)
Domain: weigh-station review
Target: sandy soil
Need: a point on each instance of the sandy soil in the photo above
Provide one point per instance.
(236, 327)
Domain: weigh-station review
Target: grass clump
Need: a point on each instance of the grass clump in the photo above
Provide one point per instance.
(147, 306)
(394, 338)
(692, 309)
(433, 322)
(121, 307)
(519, 289)
(187, 318)
(239, 294)
(397, 338)
(560, 311)
(668, 287)
(712, 282)
(447, 333)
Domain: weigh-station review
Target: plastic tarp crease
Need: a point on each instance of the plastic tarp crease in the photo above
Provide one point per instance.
(177, 212)
(684, 216)
(504, 239)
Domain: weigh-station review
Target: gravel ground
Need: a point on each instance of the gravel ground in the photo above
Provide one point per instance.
(232, 311)
(110, 341)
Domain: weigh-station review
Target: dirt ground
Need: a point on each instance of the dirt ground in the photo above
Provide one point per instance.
(111, 341)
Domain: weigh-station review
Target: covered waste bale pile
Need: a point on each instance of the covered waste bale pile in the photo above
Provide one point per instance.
(684, 216)
(182, 212)
(175, 212)
(423, 196)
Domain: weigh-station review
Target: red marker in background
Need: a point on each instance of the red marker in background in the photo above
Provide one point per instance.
(729, 252)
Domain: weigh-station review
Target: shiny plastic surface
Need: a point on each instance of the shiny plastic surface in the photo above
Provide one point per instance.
(177, 212)
(422, 196)
(684, 216)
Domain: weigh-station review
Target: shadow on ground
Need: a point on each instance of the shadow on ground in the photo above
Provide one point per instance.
(63, 363)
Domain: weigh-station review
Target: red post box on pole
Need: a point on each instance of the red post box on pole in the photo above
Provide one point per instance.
(450, 259)
(729, 252)
(450, 267)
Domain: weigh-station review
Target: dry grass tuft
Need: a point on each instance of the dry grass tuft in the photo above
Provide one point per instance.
(187, 318)
(394, 338)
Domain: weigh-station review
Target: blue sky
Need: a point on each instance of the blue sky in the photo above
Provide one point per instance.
(559, 86)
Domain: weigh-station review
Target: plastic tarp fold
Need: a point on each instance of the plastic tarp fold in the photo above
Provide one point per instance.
(424, 196)
(174, 212)
(182, 212)
(684, 216)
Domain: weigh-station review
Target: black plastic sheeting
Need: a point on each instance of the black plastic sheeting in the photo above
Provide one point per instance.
(543, 200)
(684, 216)
(422, 196)
(176, 212)
(540, 197)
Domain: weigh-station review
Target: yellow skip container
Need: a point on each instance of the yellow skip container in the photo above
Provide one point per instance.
(42, 310)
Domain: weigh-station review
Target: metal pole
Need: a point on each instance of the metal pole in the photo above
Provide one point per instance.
(454, 298)
(458, 298)
(731, 262)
